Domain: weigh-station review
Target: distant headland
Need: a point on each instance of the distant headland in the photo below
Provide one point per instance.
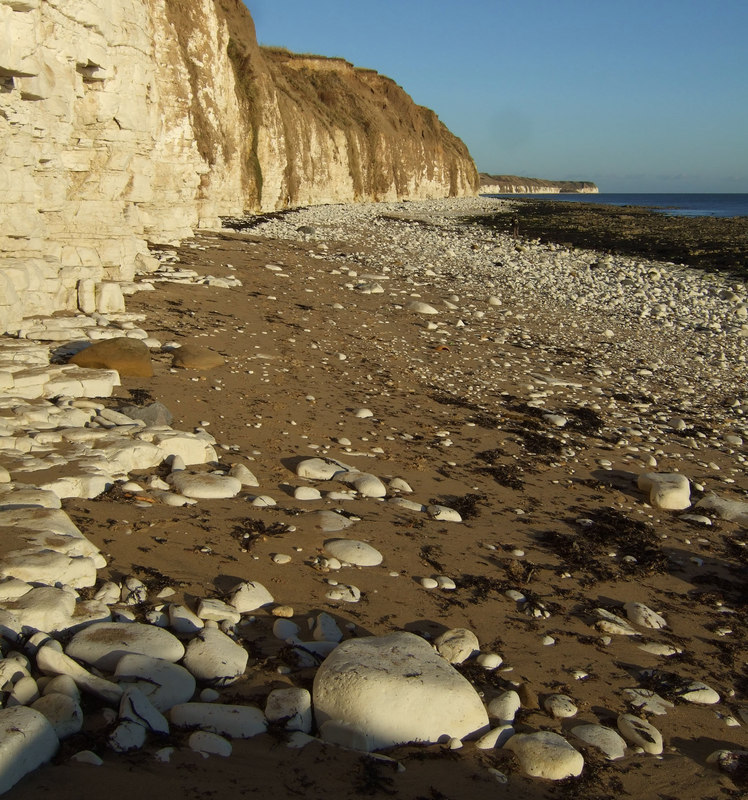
(513, 184)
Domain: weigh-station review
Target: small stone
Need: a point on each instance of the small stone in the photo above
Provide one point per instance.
(326, 629)
(215, 658)
(163, 683)
(108, 593)
(505, 706)
(421, 308)
(642, 615)
(613, 624)
(648, 701)
(457, 645)
(192, 356)
(546, 755)
(346, 594)
(217, 610)
(281, 558)
(560, 706)
(209, 744)
(659, 649)
(25, 692)
(87, 757)
(667, 490)
(249, 596)
(604, 739)
(286, 630)
(237, 722)
(641, 733)
(489, 661)
(127, 736)
(698, 692)
(496, 737)
(243, 475)
(443, 514)
(306, 493)
(285, 612)
(136, 707)
(293, 706)
(63, 712)
(318, 469)
(205, 485)
(359, 554)
(429, 583)
(134, 592)
(263, 501)
(183, 620)
(330, 521)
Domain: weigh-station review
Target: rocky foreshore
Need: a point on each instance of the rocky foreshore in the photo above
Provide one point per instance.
(716, 244)
(373, 499)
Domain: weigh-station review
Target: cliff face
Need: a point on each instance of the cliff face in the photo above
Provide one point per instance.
(127, 121)
(513, 184)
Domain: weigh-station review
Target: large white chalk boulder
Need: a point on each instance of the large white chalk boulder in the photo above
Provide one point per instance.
(395, 689)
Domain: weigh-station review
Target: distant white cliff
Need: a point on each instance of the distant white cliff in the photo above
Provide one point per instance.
(513, 184)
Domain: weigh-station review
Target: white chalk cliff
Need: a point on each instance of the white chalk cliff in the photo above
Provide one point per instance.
(124, 122)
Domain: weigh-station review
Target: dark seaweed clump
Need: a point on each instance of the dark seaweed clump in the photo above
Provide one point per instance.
(587, 551)
(247, 531)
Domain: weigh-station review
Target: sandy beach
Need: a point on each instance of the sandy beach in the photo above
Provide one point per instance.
(525, 385)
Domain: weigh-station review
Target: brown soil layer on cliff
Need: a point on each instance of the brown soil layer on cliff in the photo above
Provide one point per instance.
(711, 243)
(283, 390)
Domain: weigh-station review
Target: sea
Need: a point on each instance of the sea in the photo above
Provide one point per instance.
(680, 205)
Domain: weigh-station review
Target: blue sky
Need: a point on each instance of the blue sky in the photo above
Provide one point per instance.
(636, 95)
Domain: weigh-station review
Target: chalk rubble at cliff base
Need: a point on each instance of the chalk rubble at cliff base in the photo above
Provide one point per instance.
(154, 662)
